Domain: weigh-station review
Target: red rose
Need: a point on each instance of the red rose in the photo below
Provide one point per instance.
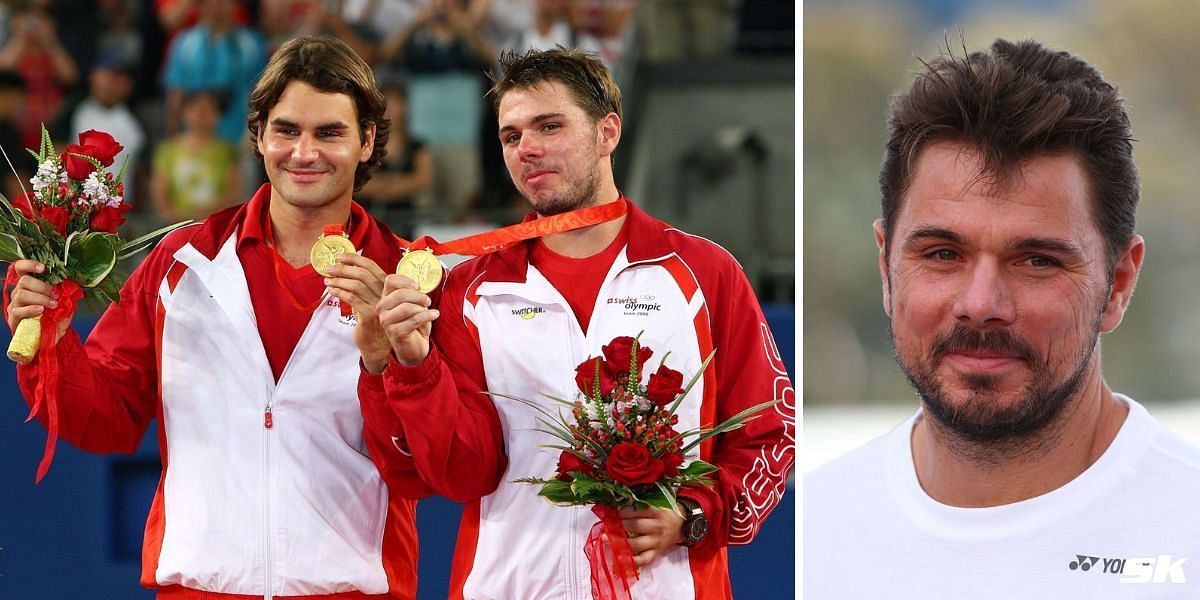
(108, 219)
(671, 463)
(104, 147)
(78, 168)
(619, 352)
(585, 375)
(664, 385)
(58, 217)
(631, 464)
(569, 462)
(25, 205)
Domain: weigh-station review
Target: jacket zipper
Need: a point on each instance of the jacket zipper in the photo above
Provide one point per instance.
(268, 424)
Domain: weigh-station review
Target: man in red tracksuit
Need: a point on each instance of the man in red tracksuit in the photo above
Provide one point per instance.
(242, 351)
(518, 321)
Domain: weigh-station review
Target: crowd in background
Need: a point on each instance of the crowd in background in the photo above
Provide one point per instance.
(169, 80)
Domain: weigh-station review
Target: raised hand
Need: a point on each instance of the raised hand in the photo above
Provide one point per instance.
(406, 317)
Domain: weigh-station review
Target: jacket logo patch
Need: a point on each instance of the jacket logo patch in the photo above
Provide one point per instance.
(350, 319)
(528, 312)
(640, 306)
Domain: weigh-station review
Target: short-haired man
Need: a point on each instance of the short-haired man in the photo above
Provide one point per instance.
(559, 123)
(229, 336)
(1007, 247)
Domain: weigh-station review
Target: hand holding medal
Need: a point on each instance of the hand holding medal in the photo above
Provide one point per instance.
(405, 310)
(357, 282)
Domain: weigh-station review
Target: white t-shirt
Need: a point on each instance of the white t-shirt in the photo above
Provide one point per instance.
(1127, 527)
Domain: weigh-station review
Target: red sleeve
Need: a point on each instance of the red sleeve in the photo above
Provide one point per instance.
(107, 390)
(385, 441)
(753, 462)
(439, 415)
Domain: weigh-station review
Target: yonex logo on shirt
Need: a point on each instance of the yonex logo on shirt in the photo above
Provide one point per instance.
(1159, 569)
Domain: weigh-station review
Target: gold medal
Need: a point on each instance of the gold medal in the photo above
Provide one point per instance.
(421, 266)
(325, 252)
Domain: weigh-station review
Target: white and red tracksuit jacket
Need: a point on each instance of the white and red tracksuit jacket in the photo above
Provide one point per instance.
(295, 510)
(504, 328)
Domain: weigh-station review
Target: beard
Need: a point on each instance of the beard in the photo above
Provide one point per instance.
(980, 426)
(581, 194)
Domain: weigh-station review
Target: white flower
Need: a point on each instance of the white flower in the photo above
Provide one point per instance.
(46, 177)
(95, 191)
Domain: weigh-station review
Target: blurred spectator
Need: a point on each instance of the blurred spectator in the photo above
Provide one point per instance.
(78, 24)
(406, 170)
(33, 50)
(382, 16)
(195, 173)
(12, 96)
(177, 15)
(600, 27)
(119, 34)
(105, 109)
(445, 58)
(282, 20)
(550, 26)
(218, 55)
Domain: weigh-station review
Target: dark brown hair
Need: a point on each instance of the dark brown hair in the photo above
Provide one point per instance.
(1013, 102)
(590, 84)
(329, 65)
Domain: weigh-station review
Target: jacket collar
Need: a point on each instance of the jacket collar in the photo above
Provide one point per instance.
(379, 243)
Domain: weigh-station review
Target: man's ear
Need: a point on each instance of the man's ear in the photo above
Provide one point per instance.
(608, 134)
(368, 147)
(1125, 274)
(881, 241)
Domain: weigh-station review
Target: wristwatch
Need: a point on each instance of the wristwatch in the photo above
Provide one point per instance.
(695, 525)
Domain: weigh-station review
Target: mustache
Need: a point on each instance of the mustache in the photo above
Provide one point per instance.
(999, 341)
(531, 167)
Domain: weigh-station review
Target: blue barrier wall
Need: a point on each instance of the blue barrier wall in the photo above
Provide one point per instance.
(78, 534)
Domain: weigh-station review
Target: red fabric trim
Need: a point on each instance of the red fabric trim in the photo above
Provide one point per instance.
(710, 574)
(464, 550)
(400, 547)
(176, 592)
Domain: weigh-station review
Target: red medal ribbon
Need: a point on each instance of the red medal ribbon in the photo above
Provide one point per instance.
(338, 229)
(610, 556)
(281, 267)
(69, 294)
(499, 239)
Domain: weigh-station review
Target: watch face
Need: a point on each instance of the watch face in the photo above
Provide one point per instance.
(696, 528)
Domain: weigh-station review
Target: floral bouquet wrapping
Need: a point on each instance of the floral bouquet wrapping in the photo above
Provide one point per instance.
(620, 448)
(69, 224)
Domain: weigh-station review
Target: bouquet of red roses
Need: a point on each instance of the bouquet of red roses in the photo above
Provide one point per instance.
(69, 224)
(621, 448)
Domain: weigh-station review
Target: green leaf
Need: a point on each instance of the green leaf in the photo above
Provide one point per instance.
(692, 382)
(90, 257)
(734, 422)
(141, 242)
(558, 492)
(10, 248)
(697, 468)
